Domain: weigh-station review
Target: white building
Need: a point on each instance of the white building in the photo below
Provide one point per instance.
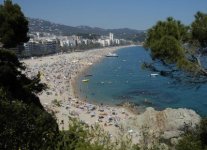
(69, 41)
(107, 42)
(101, 42)
(117, 41)
(66, 41)
(111, 36)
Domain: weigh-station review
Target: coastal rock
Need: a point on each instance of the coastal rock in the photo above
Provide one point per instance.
(169, 123)
(171, 134)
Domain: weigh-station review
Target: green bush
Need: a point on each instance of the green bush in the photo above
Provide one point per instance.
(25, 126)
(56, 103)
(194, 139)
(82, 137)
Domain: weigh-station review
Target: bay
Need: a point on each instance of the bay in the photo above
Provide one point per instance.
(118, 79)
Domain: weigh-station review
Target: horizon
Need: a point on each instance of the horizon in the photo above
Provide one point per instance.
(111, 14)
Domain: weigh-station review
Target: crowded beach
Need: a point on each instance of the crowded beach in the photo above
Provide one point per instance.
(60, 72)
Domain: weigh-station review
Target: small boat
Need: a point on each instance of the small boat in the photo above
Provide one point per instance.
(111, 55)
(154, 74)
(88, 75)
(85, 80)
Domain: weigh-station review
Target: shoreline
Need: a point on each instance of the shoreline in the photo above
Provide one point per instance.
(60, 73)
(82, 61)
(74, 85)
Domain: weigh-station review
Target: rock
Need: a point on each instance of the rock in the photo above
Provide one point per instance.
(168, 123)
(168, 119)
(171, 134)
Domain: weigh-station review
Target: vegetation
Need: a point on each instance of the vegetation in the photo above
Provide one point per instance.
(80, 47)
(89, 36)
(177, 51)
(139, 37)
(24, 122)
(56, 103)
(199, 29)
(178, 48)
(88, 46)
(194, 139)
(15, 83)
(26, 125)
(13, 25)
(82, 137)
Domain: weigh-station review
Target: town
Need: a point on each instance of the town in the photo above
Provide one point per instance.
(42, 43)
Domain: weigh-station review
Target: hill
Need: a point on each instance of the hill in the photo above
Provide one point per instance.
(39, 25)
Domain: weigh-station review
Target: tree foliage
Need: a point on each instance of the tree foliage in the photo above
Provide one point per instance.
(194, 139)
(24, 122)
(189, 142)
(13, 25)
(25, 126)
(199, 29)
(178, 47)
(16, 84)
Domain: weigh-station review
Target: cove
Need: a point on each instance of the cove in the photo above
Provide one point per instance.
(118, 79)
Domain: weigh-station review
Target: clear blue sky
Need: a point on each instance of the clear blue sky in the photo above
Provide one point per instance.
(136, 14)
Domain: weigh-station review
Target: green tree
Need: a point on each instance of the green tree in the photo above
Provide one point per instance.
(199, 29)
(203, 132)
(189, 142)
(13, 25)
(25, 126)
(16, 84)
(195, 139)
(177, 47)
(24, 122)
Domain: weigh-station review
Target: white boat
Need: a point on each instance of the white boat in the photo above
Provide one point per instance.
(111, 55)
(85, 80)
(154, 74)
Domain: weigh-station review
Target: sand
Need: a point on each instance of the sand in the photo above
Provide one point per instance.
(60, 73)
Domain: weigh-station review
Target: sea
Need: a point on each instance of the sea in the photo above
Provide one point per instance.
(115, 80)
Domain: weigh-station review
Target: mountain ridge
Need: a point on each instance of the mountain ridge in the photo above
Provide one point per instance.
(40, 25)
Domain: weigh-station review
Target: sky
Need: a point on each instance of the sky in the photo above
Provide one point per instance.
(113, 14)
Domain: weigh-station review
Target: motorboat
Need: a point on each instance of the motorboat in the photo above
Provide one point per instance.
(111, 55)
(154, 74)
(88, 75)
(85, 80)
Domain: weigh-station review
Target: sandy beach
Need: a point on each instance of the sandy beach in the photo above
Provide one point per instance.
(60, 72)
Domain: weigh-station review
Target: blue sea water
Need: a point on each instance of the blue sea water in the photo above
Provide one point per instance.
(119, 79)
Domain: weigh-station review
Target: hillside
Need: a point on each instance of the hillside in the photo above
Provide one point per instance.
(39, 25)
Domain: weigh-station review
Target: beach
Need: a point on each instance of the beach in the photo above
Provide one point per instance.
(60, 73)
